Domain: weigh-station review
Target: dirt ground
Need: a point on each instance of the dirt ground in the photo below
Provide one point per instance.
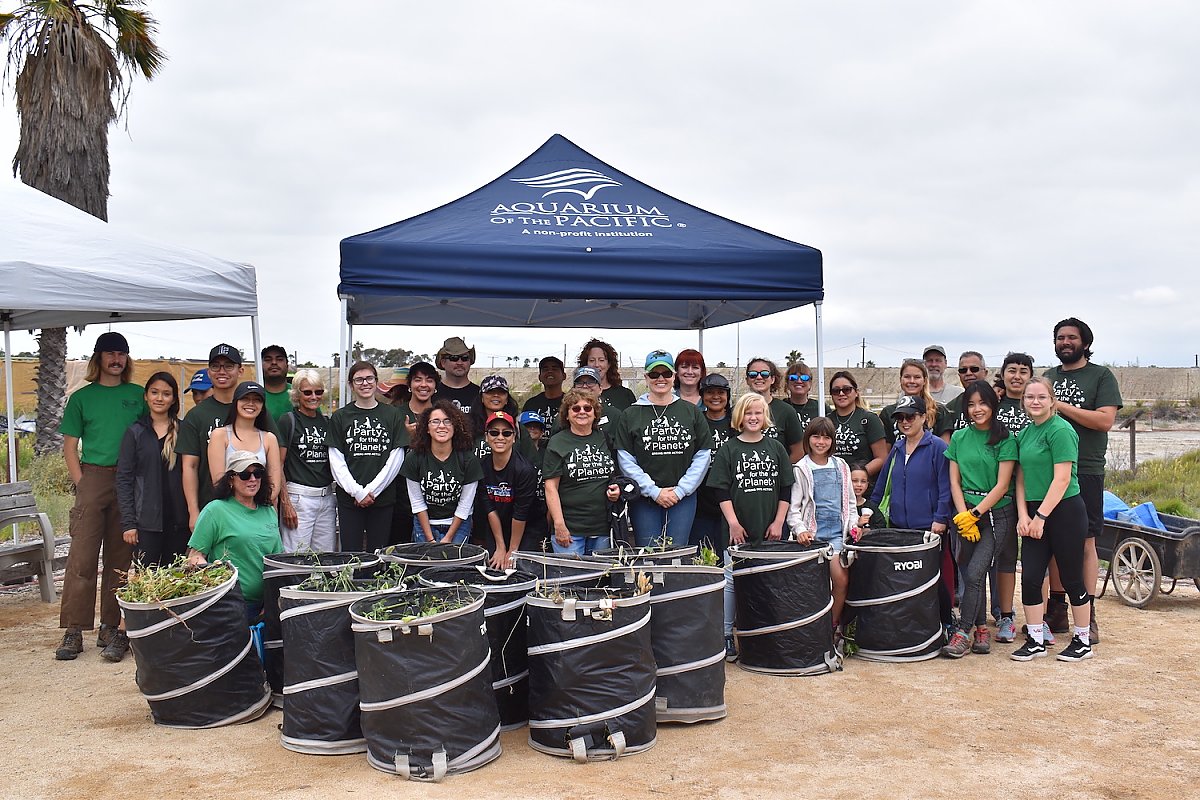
(1122, 725)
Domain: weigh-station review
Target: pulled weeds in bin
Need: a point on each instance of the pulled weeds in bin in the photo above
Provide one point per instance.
(402, 608)
(156, 584)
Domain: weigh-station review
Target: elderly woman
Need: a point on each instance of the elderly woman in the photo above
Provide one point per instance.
(579, 469)
(307, 508)
(239, 526)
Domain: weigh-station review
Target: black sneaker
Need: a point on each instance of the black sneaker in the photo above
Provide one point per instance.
(104, 635)
(72, 645)
(731, 653)
(1028, 651)
(1077, 650)
(117, 647)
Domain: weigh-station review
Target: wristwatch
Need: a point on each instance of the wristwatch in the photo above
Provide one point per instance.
(975, 513)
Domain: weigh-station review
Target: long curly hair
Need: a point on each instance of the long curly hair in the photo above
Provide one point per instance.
(613, 375)
(462, 429)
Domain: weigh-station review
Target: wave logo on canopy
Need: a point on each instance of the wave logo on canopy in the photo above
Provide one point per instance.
(562, 181)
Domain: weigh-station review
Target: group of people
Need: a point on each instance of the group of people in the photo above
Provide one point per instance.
(431, 456)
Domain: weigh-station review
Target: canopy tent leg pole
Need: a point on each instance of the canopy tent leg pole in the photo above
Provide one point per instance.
(344, 350)
(700, 336)
(8, 399)
(258, 367)
(820, 360)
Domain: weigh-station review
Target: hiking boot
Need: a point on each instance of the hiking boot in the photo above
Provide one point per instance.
(1057, 619)
(958, 645)
(1029, 651)
(1006, 631)
(1077, 650)
(72, 645)
(117, 647)
(104, 635)
(981, 643)
(731, 653)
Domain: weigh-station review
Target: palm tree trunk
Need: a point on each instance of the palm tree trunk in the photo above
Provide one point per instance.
(51, 389)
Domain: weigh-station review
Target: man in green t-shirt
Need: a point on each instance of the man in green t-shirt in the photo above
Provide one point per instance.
(1088, 398)
(275, 370)
(97, 415)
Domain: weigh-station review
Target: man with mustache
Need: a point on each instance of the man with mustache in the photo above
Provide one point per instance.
(1088, 397)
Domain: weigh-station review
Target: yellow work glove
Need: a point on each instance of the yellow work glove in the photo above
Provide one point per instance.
(968, 525)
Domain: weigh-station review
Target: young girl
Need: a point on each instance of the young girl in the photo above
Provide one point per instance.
(982, 457)
(868, 512)
(822, 506)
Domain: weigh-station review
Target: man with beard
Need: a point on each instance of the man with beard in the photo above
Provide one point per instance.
(275, 370)
(455, 360)
(935, 363)
(1088, 397)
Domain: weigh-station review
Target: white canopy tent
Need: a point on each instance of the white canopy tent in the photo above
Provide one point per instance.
(61, 267)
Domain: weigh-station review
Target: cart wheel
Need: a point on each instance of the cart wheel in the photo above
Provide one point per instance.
(1167, 588)
(1197, 582)
(1136, 572)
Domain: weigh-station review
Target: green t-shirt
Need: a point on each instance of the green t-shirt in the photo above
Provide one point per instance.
(1012, 415)
(279, 403)
(366, 438)
(664, 439)
(229, 531)
(442, 482)
(1089, 387)
(1039, 448)
(942, 422)
(194, 432)
(722, 430)
(584, 466)
(609, 420)
(979, 462)
(855, 435)
(787, 428)
(307, 461)
(98, 416)
(806, 412)
(618, 397)
(753, 474)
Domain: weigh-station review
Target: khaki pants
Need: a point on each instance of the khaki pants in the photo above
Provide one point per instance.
(95, 527)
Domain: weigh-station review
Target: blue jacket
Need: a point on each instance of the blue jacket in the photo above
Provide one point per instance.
(920, 488)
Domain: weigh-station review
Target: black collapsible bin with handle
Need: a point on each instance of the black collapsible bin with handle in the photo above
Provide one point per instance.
(424, 682)
(504, 612)
(416, 556)
(563, 569)
(893, 593)
(687, 602)
(784, 620)
(591, 673)
(196, 662)
(626, 554)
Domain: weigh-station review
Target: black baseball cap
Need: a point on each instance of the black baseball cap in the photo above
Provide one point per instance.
(225, 351)
(111, 342)
(249, 387)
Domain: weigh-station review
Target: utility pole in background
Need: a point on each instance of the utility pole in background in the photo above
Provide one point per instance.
(863, 363)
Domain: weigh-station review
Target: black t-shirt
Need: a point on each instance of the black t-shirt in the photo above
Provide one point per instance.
(464, 398)
(510, 492)
(547, 408)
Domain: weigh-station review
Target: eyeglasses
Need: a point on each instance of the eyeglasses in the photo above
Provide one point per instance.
(841, 389)
(660, 375)
(579, 409)
(363, 380)
(226, 367)
(441, 423)
(251, 474)
(463, 357)
(506, 433)
(801, 378)
(312, 392)
(965, 370)
(758, 373)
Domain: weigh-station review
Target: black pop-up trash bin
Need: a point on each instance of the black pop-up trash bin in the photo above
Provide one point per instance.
(288, 569)
(424, 680)
(504, 612)
(894, 595)
(683, 554)
(562, 569)
(416, 556)
(784, 621)
(196, 662)
(686, 632)
(591, 673)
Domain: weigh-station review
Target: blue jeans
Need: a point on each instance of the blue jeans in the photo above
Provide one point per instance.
(648, 519)
(581, 545)
(461, 535)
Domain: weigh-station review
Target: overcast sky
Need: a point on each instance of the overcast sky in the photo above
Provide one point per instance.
(972, 171)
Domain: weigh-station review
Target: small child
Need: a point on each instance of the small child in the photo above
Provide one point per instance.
(868, 512)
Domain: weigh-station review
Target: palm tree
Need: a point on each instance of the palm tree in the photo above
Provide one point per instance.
(72, 60)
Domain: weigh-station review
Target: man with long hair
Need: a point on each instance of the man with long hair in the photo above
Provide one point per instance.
(96, 416)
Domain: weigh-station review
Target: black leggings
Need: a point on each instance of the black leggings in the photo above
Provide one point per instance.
(364, 529)
(1062, 537)
(157, 548)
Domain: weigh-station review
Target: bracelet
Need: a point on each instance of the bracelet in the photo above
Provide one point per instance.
(1040, 515)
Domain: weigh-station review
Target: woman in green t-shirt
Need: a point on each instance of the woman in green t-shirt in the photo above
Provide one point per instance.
(443, 475)
(765, 379)
(602, 357)
(1052, 518)
(860, 437)
(982, 457)
(579, 468)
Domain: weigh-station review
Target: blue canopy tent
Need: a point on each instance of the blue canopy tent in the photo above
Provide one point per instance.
(565, 240)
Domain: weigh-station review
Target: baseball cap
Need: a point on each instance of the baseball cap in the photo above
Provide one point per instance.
(659, 358)
(274, 348)
(111, 342)
(493, 383)
(531, 418)
(503, 416)
(225, 351)
(910, 404)
(713, 381)
(590, 373)
(248, 387)
(241, 459)
(551, 361)
(200, 382)
(934, 348)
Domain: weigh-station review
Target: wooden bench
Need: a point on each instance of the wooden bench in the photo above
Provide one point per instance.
(33, 557)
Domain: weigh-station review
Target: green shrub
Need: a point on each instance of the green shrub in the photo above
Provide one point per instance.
(48, 475)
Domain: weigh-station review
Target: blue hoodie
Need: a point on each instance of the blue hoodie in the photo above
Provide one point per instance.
(920, 488)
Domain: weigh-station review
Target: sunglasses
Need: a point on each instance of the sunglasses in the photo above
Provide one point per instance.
(801, 378)
(505, 432)
(578, 409)
(965, 370)
(758, 373)
(463, 357)
(904, 417)
(841, 389)
(658, 376)
(251, 474)
(313, 392)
